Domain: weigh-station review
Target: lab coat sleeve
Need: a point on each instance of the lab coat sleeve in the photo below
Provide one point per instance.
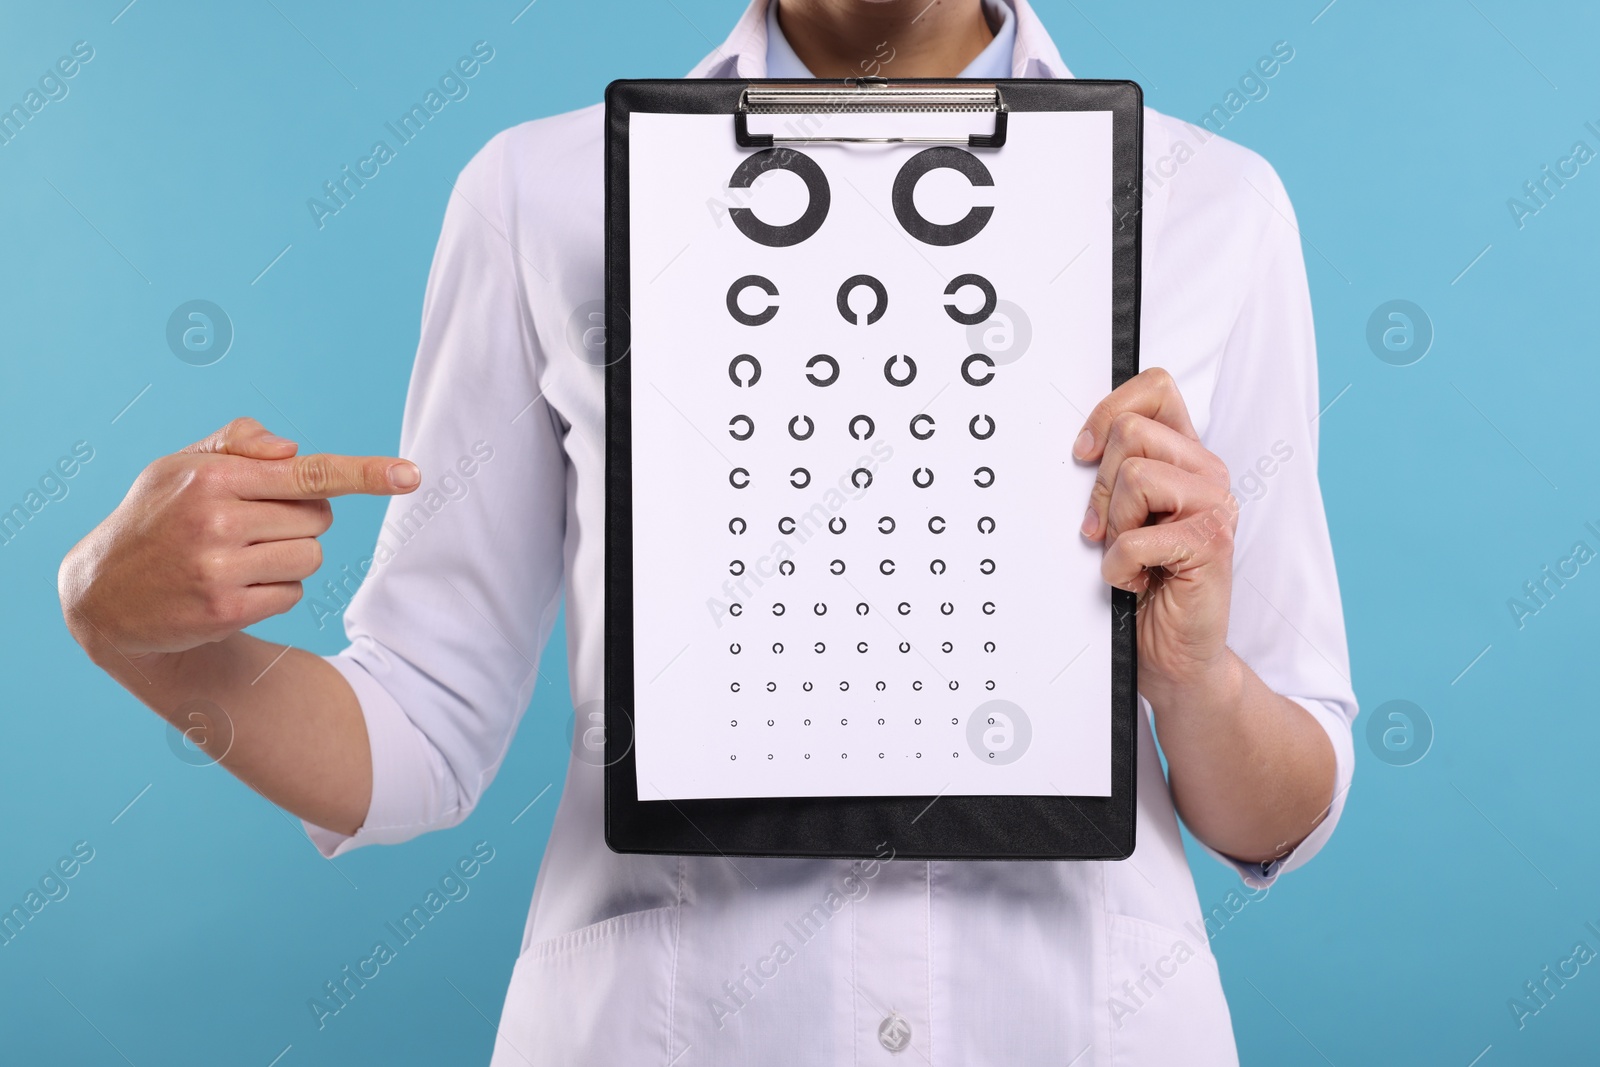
(446, 630)
(1287, 622)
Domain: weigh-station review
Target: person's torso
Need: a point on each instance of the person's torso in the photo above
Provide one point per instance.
(710, 961)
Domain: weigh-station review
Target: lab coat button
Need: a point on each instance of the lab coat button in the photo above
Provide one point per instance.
(894, 1033)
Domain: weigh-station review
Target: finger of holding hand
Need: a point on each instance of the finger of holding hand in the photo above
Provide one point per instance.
(1152, 393)
(1137, 436)
(1148, 488)
(1176, 546)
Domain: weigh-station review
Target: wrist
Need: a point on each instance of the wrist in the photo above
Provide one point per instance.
(103, 650)
(1215, 683)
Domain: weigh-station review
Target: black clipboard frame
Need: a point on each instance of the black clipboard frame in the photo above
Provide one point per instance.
(922, 827)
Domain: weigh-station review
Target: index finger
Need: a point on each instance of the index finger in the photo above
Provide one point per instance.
(319, 476)
(1152, 393)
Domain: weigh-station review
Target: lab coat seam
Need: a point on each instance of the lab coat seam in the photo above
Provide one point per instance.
(855, 993)
(502, 188)
(532, 350)
(1104, 1015)
(1260, 259)
(928, 928)
(677, 940)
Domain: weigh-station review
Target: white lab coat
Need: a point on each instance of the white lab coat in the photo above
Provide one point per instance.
(701, 961)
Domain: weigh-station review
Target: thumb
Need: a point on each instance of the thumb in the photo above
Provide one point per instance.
(245, 437)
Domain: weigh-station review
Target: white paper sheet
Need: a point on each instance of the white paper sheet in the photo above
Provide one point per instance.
(983, 683)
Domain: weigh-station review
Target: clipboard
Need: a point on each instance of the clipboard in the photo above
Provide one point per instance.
(806, 296)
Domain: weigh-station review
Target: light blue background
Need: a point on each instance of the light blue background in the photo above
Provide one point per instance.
(178, 167)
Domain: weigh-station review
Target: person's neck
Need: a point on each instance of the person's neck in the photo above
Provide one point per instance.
(892, 38)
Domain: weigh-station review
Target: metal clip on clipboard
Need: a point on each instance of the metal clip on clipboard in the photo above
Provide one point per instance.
(868, 95)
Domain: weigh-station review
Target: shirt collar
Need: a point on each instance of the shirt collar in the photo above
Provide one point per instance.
(744, 53)
(782, 62)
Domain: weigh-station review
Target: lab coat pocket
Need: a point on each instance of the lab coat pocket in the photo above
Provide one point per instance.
(598, 994)
(1165, 998)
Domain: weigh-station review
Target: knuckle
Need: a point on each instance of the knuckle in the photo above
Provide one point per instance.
(322, 511)
(1102, 484)
(369, 477)
(313, 554)
(200, 476)
(1117, 568)
(1103, 416)
(1124, 426)
(210, 574)
(217, 525)
(236, 427)
(157, 476)
(215, 475)
(1211, 530)
(176, 471)
(1136, 470)
(1161, 378)
(313, 475)
(224, 608)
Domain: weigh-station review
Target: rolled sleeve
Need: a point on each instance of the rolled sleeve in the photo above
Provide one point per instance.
(411, 788)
